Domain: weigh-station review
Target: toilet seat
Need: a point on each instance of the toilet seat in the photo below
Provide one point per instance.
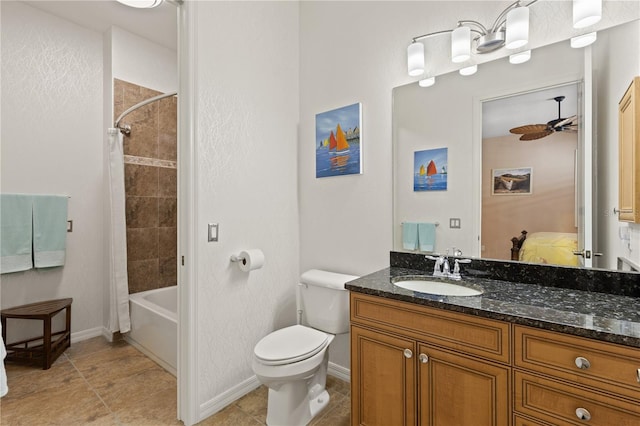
(290, 344)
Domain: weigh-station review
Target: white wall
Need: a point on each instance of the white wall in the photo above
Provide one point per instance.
(246, 99)
(615, 66)
(142, 62)
(51, 124)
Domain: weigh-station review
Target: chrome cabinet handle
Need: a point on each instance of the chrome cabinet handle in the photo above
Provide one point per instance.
(583, 414)
(638, 375)
(408, 353)
(425, 359)
(582, 363)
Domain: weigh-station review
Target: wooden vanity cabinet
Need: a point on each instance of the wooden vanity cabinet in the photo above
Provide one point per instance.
(629, 153)
(414, 365)
(567, 380)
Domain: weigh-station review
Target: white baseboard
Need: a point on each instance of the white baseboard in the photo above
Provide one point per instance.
(79, 336)
(340, 372)
(221, 401)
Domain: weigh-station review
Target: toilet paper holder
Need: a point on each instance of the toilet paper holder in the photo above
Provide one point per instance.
(237, 258)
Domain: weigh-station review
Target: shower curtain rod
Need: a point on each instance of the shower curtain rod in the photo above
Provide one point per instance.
(126, 129)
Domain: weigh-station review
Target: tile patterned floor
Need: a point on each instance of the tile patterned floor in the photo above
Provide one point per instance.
(100, 383)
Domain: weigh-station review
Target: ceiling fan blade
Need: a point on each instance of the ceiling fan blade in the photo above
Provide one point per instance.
(529, 128)
(534, 136)
(567, 121)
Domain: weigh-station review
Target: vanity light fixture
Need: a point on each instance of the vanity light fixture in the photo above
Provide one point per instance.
(427, 82)
(520, 57)
(586, 12)
(468, 70)
(141, 4)
(510, 27)
(583, 40)
(460, 44)
(517, 27)
(415, 59)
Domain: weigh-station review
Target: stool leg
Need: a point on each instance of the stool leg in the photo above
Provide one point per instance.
(47, 344)
(68, 326)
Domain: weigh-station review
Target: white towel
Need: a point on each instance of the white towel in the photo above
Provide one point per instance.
(49, 230)
(15, 233)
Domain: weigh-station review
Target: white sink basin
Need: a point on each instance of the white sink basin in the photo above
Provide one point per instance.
(440, 288)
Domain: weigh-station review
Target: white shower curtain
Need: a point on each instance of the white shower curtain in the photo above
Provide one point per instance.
(119, 286)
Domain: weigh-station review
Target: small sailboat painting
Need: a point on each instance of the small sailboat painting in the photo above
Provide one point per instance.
(430, 170)
(338, 142)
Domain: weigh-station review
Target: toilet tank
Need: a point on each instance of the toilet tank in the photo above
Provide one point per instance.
(325, 301)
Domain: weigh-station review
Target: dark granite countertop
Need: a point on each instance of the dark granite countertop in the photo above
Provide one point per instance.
(608, 317)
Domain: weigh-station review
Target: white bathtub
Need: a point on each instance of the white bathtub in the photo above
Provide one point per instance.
(154, 325)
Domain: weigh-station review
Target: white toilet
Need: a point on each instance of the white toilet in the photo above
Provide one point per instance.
(292, 362)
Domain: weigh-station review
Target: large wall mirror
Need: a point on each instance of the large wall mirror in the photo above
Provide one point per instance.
(498, 185)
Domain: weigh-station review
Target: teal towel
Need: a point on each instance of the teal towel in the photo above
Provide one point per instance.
(49, 230)
(427, 236)
(15, 233)
(409, 236)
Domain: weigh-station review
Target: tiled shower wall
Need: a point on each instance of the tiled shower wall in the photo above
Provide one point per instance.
(150, 187)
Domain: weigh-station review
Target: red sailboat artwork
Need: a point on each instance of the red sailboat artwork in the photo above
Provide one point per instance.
(430, 170)
(338, 141)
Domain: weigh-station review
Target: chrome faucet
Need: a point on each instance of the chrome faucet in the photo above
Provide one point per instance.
(441, 267)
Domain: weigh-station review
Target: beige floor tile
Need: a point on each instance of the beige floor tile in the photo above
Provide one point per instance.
(129, 391)
(337, 385)
(255, 403)
(33, 380)
(105, 366)
(157, 410)
(90, 346)
(72, 403)
(230, 416)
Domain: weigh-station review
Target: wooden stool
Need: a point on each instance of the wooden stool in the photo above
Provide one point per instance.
(45, 349)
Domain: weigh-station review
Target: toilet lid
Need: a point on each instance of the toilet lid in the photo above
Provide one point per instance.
(289, 345)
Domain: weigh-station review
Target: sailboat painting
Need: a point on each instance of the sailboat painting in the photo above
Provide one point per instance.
(338, 142)
(430, 170)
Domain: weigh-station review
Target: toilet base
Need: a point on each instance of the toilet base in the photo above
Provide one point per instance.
(293, 405)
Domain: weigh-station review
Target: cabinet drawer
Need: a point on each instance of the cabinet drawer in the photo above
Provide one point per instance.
(523, 421)
(465, 333)
(613, 368)
(559, 403)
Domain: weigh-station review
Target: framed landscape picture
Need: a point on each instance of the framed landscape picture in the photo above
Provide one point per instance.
(514, 181)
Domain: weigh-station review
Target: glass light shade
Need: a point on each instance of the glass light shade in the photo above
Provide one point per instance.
(469, 70)
(586, 12)
(520, 57)
(583, 40)
(517, 27)
(141, 4)
(415, 59)
(427, 82)
(460, 44)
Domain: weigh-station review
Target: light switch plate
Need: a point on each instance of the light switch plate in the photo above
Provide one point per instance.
(212, 232)
(454, 222)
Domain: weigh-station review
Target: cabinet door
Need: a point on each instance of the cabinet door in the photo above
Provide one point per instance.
(382, 379)
(629, 167)
(457, 390)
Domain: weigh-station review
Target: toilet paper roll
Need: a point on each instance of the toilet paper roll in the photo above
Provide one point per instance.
(251, 259)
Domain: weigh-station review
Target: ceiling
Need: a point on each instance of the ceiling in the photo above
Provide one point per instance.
(158, 24)
(537, 107)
